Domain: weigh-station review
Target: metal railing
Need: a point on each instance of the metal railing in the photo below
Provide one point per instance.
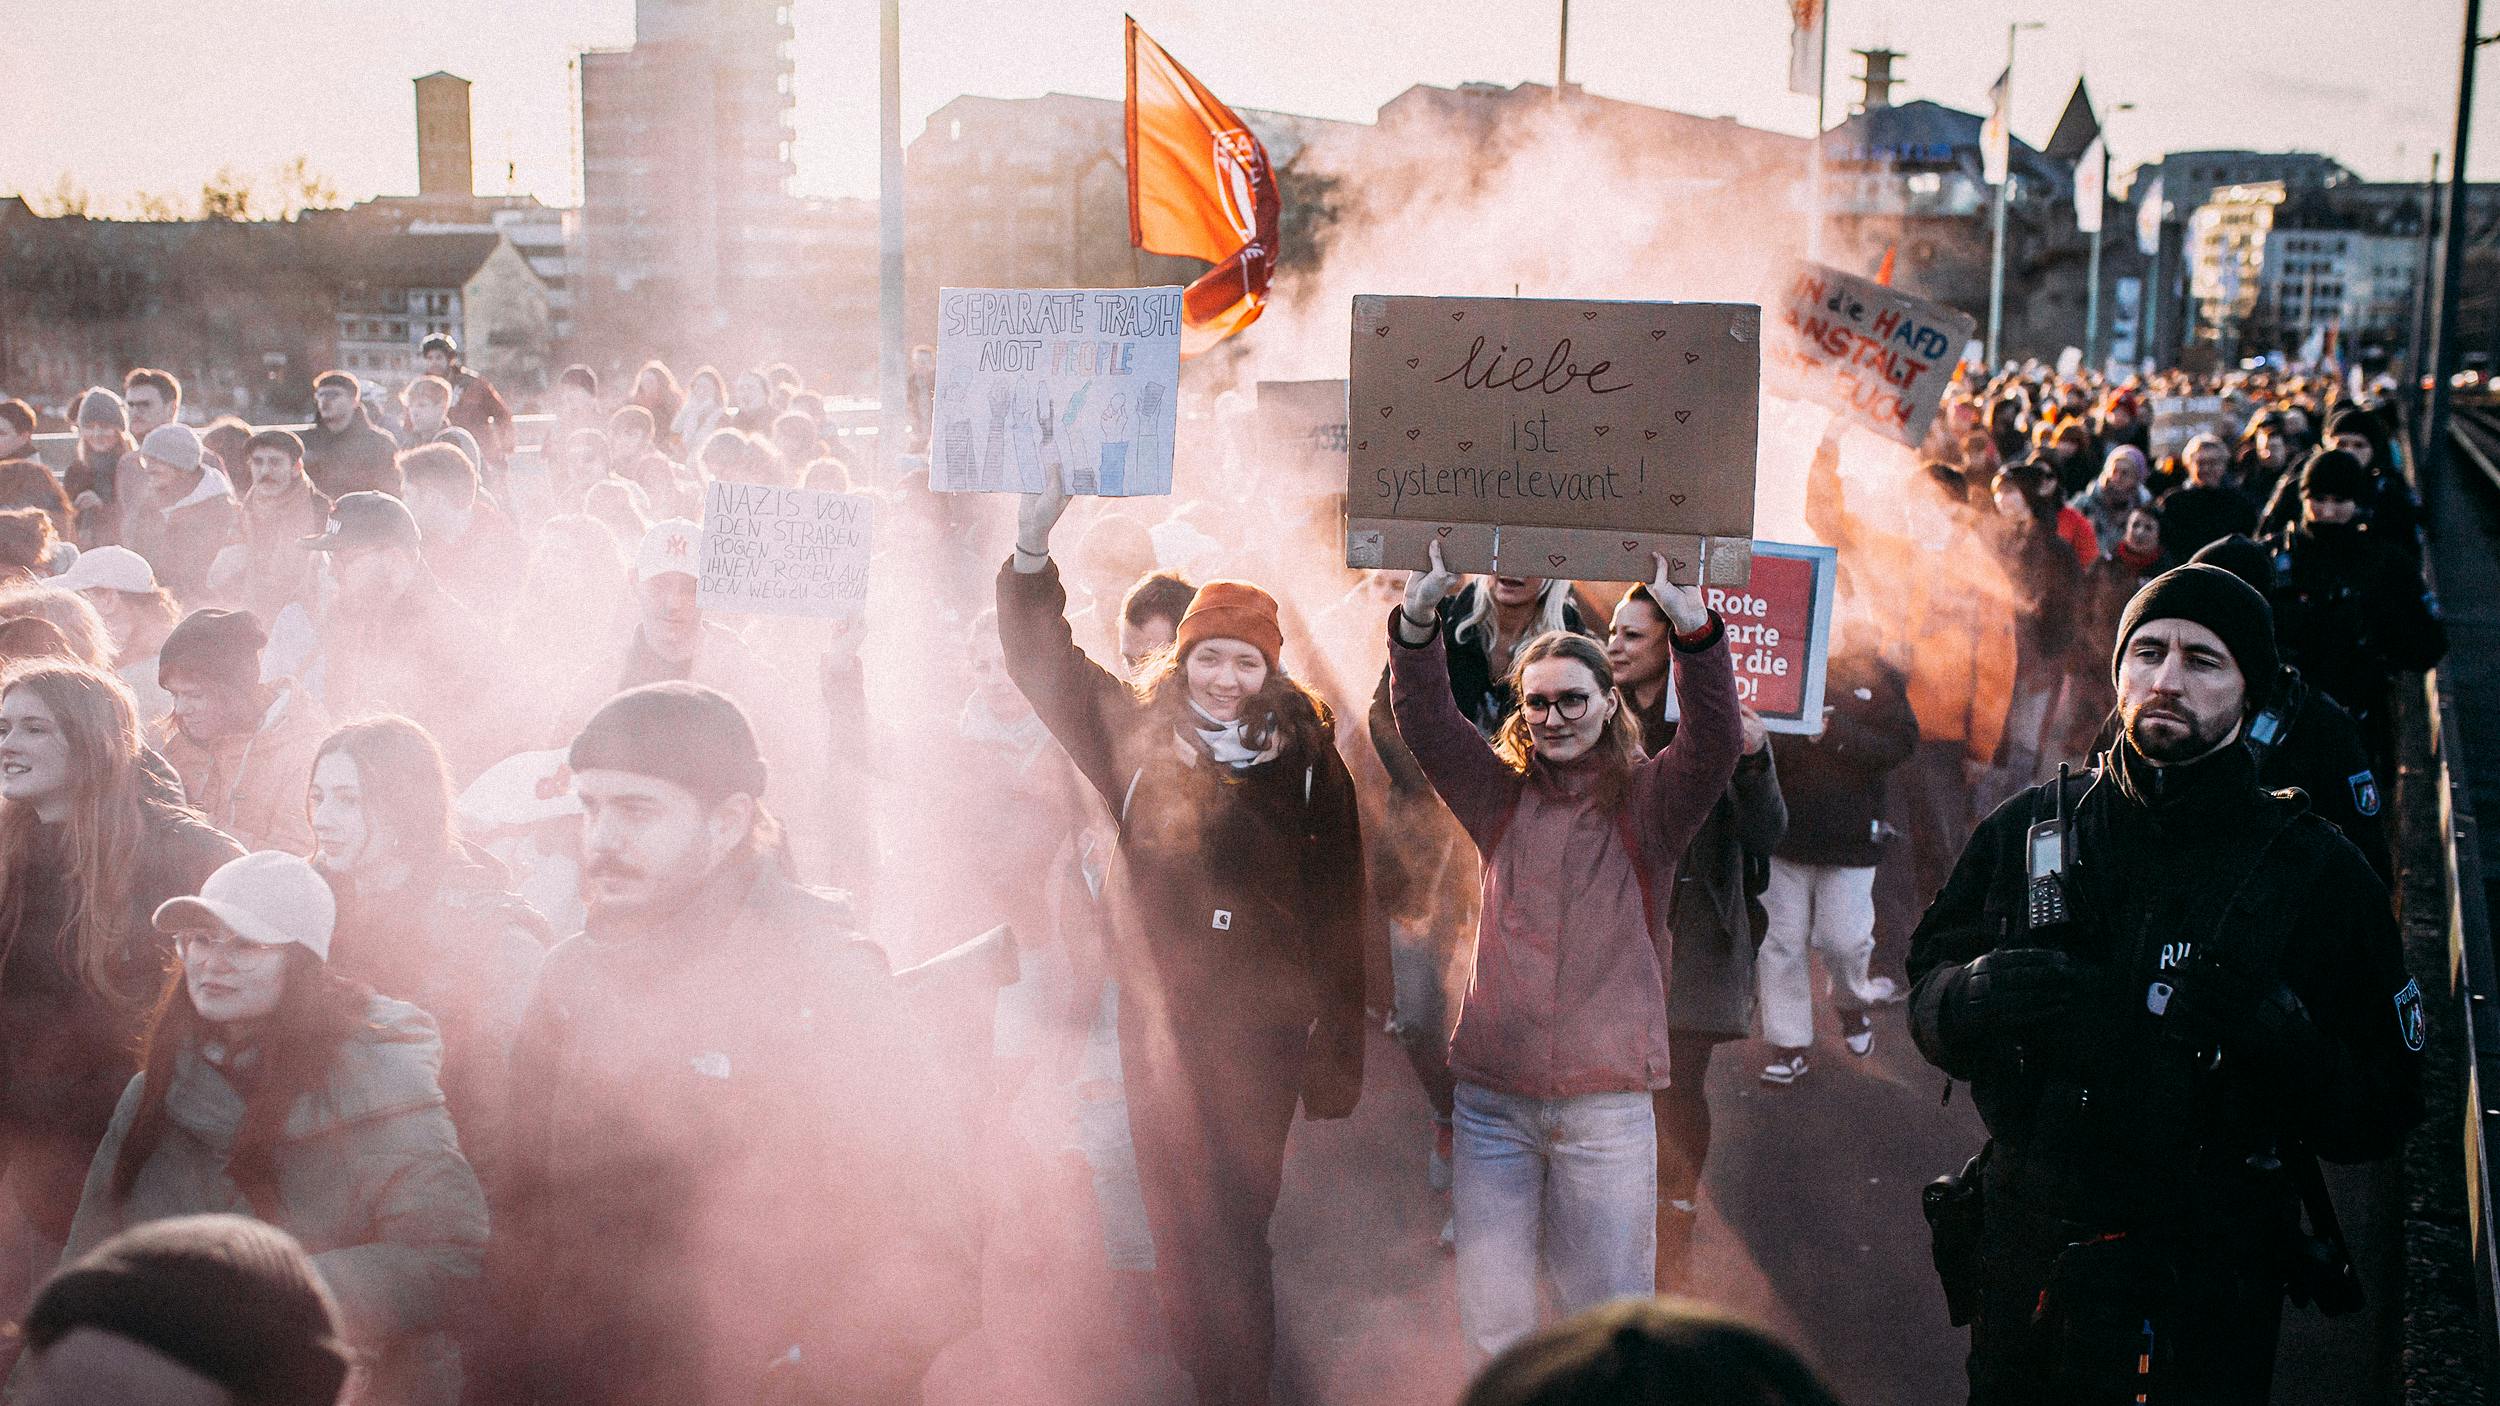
(529, 432)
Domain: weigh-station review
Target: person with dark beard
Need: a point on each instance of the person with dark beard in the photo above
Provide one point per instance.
(2171, 991)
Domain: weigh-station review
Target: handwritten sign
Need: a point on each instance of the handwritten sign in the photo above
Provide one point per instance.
(1076, 384)
(1875, 354)
(784, 551)
(1779, 627)
(2180, 418)
(1541, 437)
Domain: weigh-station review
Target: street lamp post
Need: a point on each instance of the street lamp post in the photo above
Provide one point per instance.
(1996, 261)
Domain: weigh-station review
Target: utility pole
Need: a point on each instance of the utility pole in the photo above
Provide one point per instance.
(1996, 258)
(2443, 353)
(893, 377)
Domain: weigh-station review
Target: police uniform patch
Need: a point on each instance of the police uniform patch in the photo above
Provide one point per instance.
(2364, 792)
(2409, 1021)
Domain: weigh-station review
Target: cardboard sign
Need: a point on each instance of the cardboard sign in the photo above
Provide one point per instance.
(1779, 634)
(1302, 421)
(784, 551)
(1540, 437)
(1078, 384)
(1875, 354)
(2180, 418)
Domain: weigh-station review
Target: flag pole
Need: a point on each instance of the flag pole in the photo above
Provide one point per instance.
(1996, 257)
(893, 379)
(1562, 54)
(1814, 158)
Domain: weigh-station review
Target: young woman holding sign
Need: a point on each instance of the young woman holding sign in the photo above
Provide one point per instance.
(1238, 935)
(1565, 1032)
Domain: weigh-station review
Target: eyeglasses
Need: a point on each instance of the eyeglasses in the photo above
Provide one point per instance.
(203, 943)
(1570, 707)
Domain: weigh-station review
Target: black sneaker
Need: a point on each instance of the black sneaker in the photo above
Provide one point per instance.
(1857, 1031)
(1786, 1067)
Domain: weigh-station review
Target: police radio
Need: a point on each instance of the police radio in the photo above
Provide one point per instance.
(2049, 852)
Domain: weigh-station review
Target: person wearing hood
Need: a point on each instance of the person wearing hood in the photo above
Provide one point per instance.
(243, 747)
(1715, 917)
(94, 475)
(2170, 990)
(730, 1158)
(182, 513)
(344, 451)
(1564, 1040)
(1239, 941)
(2350, 605)
(271, 1085)
(91, 841)
(424, 917)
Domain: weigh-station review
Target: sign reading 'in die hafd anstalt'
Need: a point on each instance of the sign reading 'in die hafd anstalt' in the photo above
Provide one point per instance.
(1544, 437)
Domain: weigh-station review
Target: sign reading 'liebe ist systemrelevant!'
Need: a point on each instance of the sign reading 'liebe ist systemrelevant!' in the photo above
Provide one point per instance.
(1545, 437)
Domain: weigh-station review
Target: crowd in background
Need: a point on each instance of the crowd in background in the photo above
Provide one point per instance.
(994, 939)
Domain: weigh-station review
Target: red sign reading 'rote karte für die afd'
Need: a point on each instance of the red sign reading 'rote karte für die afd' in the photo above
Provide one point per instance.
(1778, 633)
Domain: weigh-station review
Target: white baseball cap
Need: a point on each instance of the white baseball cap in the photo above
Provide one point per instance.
(268, 897)
(108, 569)
(672, 544)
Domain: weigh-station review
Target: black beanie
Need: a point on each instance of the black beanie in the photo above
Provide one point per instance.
(2240, 555)
(684, 733)
(2332, 473)
(228, 1297)
(2221, 602)
(2351, 420)
(219, 645)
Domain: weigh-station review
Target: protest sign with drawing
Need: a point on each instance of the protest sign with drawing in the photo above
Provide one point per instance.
(1081, 384)
(1544, 437)
(1874, 354)
(784, 551)
(2180, 418)
(1779, 628)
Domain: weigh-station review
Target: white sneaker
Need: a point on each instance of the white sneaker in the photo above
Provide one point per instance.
(1786, 1067)
(1857, 1031)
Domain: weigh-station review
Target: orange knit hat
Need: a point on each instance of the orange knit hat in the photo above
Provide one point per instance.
(1231, 610)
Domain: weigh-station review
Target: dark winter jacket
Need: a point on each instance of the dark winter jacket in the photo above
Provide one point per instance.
(459, 945)
(2192, 517)
(1710, 974)
(1242, 896)
(1834, 783)
(477, 407)
(726, 1141)
(360, 458)
(2175, 868)
(66, 1052)
(1573, 946)
(2350, 611)
(1483, 693)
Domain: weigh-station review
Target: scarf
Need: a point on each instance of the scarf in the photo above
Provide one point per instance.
(1223, 742)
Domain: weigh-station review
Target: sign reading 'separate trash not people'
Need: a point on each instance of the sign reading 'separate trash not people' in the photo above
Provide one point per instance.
(1873, 354)
(784, 551)
(1074, 384)
(1541, 437)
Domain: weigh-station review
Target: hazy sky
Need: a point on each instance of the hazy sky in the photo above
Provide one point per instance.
(155, 95)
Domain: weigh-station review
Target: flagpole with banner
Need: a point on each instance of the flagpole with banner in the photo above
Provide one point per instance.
(1200, 187)
(1997, 154)
(2149, 214)
(2091, 191)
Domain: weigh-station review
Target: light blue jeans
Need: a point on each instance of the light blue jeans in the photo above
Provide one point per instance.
(1568, 1183)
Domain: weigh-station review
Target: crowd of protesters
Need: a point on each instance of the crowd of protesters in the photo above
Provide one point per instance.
(618, 1001)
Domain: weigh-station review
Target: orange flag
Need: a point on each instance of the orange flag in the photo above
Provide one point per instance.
(1884, 275)
(1199, 185)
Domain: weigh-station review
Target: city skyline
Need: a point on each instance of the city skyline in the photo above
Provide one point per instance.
(2201, 79)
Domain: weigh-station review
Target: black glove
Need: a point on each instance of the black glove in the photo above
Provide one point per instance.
(2259, 1021)
(2011, 991)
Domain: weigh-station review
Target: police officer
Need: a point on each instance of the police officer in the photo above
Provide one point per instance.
(2168, 988)
(2349, 604)
(2304, 738)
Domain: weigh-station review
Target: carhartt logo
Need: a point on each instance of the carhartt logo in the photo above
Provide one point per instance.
(1223, 920)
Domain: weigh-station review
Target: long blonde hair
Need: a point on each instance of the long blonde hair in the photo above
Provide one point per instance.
(1550, 600)
(1614, 752)
(102, 836)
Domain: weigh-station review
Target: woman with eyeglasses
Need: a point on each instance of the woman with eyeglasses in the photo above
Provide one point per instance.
(1238, 928)
(91, 842)
(272, 1086)
(1564, 1035)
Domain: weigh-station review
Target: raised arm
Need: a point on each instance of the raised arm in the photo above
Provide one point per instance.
(1676, 789)
(1474, 783)
(1074, 696)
